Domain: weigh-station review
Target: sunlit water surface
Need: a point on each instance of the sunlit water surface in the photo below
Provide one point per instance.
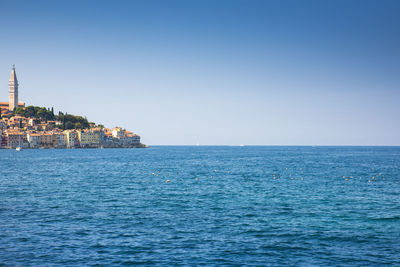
(171, 206)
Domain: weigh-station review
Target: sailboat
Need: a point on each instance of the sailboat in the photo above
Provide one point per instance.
(18, 148)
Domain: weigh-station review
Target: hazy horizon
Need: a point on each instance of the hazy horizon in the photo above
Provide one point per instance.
(212, 72)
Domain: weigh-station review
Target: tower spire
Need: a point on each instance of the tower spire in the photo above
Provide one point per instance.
(13, 90)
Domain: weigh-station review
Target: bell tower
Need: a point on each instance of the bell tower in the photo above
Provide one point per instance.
(13, 90)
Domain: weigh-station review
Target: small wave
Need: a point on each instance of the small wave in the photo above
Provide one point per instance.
(385, 219)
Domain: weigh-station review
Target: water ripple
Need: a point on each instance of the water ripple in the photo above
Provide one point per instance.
(229, 206)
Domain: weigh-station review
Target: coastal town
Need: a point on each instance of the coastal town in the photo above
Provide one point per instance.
(38, 127)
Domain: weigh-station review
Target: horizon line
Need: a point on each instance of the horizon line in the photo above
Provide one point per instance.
(279, 145)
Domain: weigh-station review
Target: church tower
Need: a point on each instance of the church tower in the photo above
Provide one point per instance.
(13, 86)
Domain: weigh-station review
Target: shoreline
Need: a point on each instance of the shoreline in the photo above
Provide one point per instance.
(23, 148)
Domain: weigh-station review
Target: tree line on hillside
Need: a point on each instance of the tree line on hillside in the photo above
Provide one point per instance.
(35, 112)
(46, 114)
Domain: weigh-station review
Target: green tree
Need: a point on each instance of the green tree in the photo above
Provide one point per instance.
(30, 111)
(78, 125)
(69, 125)
(41, 113)
(19, 111)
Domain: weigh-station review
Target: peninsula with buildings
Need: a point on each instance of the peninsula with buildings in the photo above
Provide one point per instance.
(38, 127)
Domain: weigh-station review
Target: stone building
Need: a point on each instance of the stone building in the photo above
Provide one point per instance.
(8, 107)
(13, 86)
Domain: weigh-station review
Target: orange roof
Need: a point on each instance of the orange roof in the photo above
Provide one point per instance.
(22, 104)
(14, 132)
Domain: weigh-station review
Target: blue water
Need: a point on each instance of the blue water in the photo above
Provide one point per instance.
(210, 206)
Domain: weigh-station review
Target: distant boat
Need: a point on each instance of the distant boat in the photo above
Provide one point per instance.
(241, 145)
(18, 148)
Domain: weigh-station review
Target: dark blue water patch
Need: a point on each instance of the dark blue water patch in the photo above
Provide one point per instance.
(213, 206)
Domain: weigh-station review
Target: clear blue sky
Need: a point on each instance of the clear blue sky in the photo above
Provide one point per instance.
(213, 72)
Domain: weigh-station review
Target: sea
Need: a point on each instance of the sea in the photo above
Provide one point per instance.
(201, 206)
